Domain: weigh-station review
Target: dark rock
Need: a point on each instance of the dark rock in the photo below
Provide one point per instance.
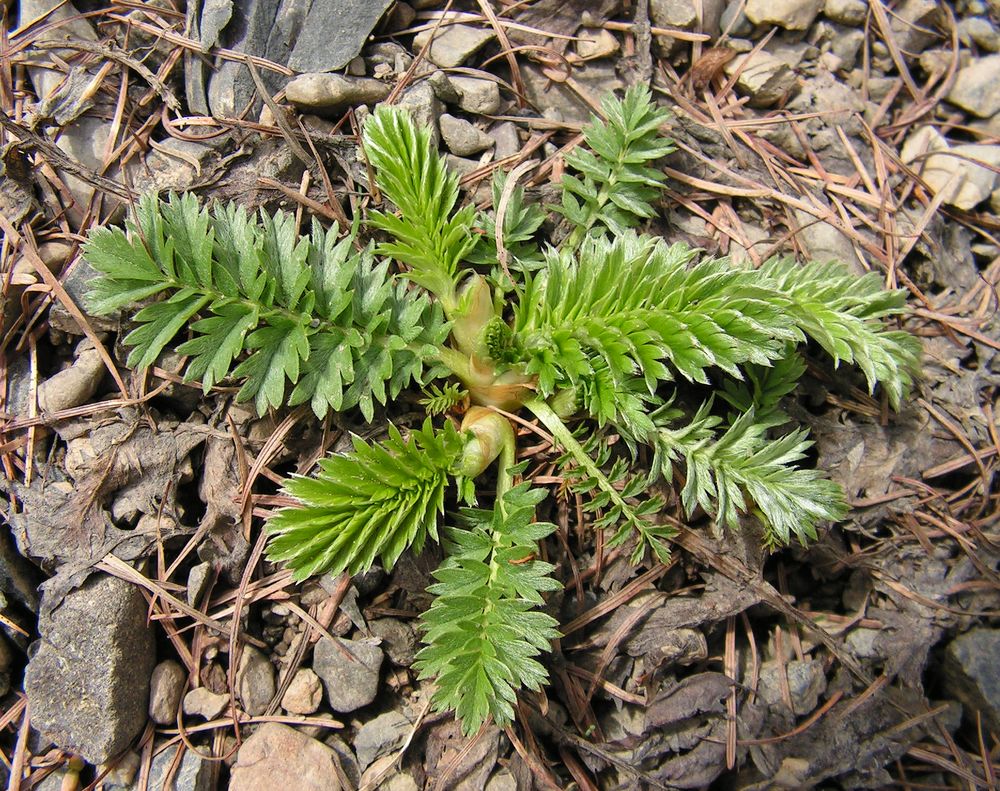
(18, 578)
(264, 28)
(380, 736)
(972, 674)
(255, 681)
(97, 651)
(334, 32)
(399, 641)
(350, 672)
(165, 689)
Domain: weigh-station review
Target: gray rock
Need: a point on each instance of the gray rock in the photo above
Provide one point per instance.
(806, 682)
(74, 385)
(277, 756)
(54, 781)
(255, 681)
(350, 672)
(506, 141)
(502, 780)
(18, 578)
(956, 173)
(165, 689)
(304, 693)
(453, 45)
(87, 136)
(480, 96)
(461, 166)
(734, 19)
(194, 773)
(348, 761)
(823, 242)
(444, 88)
(176, 165)
(977, 87)
(846, 12)
(266, 28)
(555, 100)
(764, 78)
(461, 137)
(425, 108)
(334, 32)
(96, 650)
(202, 702)
(6, 657)
(846, 45)
(673, 13)
(77, 282)
(593, 43)
(913, 23)
(972, 674)
(380, 736)
(197, 583)
(331, 93)
(980, 31)
(789, 14)
(399, 641)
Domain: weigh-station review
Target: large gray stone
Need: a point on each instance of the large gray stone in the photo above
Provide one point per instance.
(265, 28)
(350, 672)
(972, 674)
(334, 32)
(763, 77)
(88, 680)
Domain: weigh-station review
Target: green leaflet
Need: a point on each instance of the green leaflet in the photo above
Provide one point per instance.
(483, 631)
(728, 471)
(616, 186)
(264, 305)
(374, 502)
(427, 237)
(842, 313)
(632, 308)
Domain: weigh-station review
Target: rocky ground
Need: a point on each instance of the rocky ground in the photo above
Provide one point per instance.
(145, 639)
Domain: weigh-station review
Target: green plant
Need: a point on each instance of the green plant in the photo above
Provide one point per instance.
(595, 332)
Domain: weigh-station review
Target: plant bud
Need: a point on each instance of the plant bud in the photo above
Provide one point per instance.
(491, 431)
(475, 309)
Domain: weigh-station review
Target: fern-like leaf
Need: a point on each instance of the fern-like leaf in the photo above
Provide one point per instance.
(427, 236)
(264, 305)
(630, 307)
(439, 400)
(483, 631)
(616, 186)
(521, 222)
(842, 313)
(374, 502)
(728, 472)
(611, 492)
